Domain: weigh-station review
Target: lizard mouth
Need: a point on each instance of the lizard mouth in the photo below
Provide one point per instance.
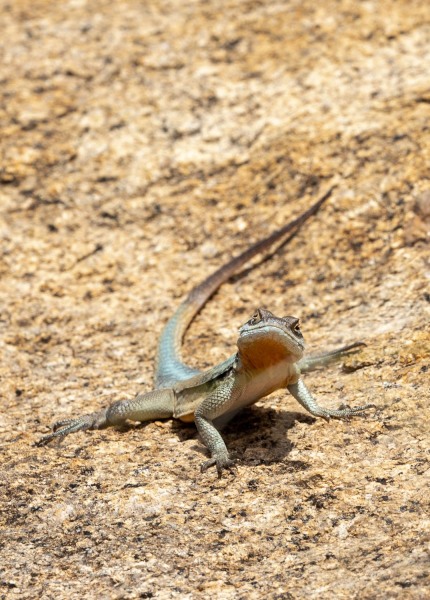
(269, 330)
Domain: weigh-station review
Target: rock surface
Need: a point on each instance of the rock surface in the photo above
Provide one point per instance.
(142, 144)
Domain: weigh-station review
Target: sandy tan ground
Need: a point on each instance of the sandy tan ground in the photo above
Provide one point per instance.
(142, 144)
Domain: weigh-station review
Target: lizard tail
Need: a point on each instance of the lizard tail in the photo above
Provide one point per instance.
(169, 367)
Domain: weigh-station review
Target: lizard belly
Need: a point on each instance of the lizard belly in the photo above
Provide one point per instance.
(189, 418)
(264, 382)
(257, 386)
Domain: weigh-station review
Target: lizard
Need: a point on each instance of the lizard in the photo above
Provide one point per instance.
(269, 356)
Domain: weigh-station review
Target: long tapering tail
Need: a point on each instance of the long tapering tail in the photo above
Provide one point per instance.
(169, 366)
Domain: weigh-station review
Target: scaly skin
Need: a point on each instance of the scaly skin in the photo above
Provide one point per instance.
(269, 357)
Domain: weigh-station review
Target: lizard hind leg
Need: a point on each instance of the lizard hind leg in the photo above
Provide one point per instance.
(145, 407)
(314, 361)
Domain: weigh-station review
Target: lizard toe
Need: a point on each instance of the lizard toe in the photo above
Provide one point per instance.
(220, 462)
(347, 411)
(207, 464)
(60, 424)
(229, 464)
(68, 426)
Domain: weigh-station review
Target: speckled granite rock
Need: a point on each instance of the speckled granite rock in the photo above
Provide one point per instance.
(143, 143)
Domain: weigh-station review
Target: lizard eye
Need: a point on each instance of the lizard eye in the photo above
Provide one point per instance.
(256, 318)
(296, 327)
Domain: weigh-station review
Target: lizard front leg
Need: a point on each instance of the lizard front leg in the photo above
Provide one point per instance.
(145, 407)
(219, 402)
(303, 395)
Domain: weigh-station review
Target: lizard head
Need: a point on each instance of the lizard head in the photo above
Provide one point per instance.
(268, 339)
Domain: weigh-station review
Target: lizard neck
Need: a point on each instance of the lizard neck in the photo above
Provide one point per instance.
(268, 353)
(260, 366)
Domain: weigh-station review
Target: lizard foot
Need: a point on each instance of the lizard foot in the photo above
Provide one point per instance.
(95, 420)
(221, 462)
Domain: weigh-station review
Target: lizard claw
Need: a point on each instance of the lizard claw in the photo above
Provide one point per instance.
(65, 427)
(221, 462)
